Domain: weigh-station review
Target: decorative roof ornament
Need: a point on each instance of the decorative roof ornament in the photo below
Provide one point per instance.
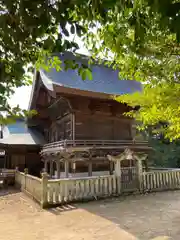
(128, 154)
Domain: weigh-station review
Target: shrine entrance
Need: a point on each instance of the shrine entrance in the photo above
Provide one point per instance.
(129, 178)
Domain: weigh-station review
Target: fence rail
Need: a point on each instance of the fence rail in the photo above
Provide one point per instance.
(29, 184)
(162, 180)
(67, 190)
(89, 143)
(53, 192)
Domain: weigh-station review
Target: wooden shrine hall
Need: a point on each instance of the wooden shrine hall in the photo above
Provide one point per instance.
(80, 121)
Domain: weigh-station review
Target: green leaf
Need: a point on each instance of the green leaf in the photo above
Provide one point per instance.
(89, 74)
(83, 75)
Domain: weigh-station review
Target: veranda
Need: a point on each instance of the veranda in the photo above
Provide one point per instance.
(59, 167)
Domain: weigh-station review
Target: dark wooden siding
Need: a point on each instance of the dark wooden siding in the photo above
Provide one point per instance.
(101, 127)
(94, 119)
(61, 129)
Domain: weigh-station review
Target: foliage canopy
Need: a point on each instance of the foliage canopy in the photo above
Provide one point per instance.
(142, 40)
(138, 37)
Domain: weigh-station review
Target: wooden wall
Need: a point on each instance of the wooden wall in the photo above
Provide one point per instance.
(101, 127)
(93, 119)
(101, 119)
(24, 157)
(61, 129)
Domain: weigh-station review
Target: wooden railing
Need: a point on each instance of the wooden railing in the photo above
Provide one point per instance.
(89, 143)
(29, 184)
(19, 178)
(53, 192)
(68, 190)
(162, 180)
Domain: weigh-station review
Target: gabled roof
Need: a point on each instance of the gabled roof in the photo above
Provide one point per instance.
(105, 79)
(19, 134)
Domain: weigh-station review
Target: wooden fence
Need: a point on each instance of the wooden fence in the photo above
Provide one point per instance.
(53, 192)
(67, 190)
(30, 185)
(159, 181)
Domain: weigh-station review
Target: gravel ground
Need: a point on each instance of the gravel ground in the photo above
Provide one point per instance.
(127, 218)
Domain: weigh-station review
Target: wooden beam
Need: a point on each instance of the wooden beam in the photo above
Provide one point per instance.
(81, 159)
(73, 124)
(64, 90)
(118, 117)
(58, 169)
(111, 167)
(46, 166)
(90, 168)
(66, 167)
(51, 169)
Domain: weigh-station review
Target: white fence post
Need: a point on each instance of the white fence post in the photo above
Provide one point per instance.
(16, 177)
(139, 170)
(117, 171)
(44, 189)
(25, 173)
(118, 175)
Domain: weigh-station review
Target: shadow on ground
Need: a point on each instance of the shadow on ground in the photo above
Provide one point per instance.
(143, 216)
(8, 191)
(60, 209)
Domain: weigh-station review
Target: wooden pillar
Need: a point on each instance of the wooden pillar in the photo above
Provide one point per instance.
(118, 175)
(44, 196)
(51, 168)
(58, 168)
(146, 165)
(73, 127)
(90, 168)
(139, 170)
(66, 168)
(117, 170)
(133, 129)
(73, 166)
(46, 165)
(111, 167)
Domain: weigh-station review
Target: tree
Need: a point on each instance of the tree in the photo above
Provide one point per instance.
(30, 30)
(137, 37)
(165, 153)
(142, 41)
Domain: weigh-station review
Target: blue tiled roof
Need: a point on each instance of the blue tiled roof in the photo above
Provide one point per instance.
(105, 79)
(17, 128)
(19, 133)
